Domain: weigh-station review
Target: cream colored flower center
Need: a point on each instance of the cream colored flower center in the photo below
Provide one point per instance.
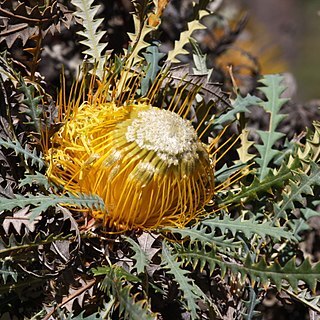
(171, 137)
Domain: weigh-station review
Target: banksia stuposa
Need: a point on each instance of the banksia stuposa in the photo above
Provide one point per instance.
(146, 163)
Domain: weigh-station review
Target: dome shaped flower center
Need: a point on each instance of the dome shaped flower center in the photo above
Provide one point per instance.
(171, 137)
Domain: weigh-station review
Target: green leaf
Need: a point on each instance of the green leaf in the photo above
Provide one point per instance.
(248, 228)
(130, 307)
(260, 272)
(251, 305)
(290, 272)
(225, 172)
(37, 178)
(115, 284)
(190, 291)
(28, 155)
(267, 153)
(15, 246)
(116, 272)
(239, 105)
(32, 101)
(206, 236)
(200, 61)
(276, 179)
(300, 185)
(310, 151)
(140, 256)
(199, 256)
(309, 213)
(272, 90)
(42, 202)
(152, 58)
(141, 29)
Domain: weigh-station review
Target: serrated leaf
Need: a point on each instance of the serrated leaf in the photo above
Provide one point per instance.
(141, 29)
(305, 297)
(248, 228)
(131, 308)
(261, 272)
(19, 150)
(42, 202)
(24, 19)
(140, 256)
(266, 152)
(184, 38)
(243, 150)
(115, 284)
(226, 172)
(206, 237)
(290, 273)
(310, 151)
(300, 186)
(239, 105)
(200, 61)
(77, 294)
(26, 242)
(199, 256)
(87, 12)
(116, 272)
(32, 102)
(272, 90)
(19, 219)
(36, 178)
(257, 186)
(191, 292)
(146, 241)
(251, 305)
(309, 213)
(152, 57)
(6, 271)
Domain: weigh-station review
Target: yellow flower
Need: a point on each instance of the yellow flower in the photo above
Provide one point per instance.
(146, 163)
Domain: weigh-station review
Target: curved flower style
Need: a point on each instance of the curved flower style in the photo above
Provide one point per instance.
(146, 163)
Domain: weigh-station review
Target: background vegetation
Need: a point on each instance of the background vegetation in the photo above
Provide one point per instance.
(252, 255)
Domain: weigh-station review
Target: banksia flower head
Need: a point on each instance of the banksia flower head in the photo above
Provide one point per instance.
(146, 163)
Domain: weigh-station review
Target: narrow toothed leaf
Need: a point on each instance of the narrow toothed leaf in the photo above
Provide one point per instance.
(260, 273)
(33, 156)
(140, 257)
(190, 291)
(87, 12)
(272, 90)
(249, 228)
(184, 38)
(42, 202)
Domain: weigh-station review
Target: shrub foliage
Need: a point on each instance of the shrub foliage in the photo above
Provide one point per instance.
(57, 263)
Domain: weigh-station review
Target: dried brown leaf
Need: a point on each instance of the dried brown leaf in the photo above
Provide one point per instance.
(24, 22)
(19, 219)
(146, 240)
(77, 295)
(211, 91)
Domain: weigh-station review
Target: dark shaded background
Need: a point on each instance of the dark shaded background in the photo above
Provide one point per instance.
(295, 27)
